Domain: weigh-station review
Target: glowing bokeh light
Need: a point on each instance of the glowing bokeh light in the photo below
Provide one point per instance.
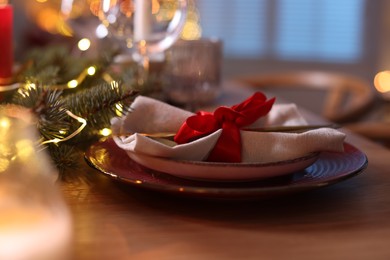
(111, 18)
(73, 84)
(382, 81)
(101, 31)
(5, 123)
(105, 132)
(91, 71)
(84, 44)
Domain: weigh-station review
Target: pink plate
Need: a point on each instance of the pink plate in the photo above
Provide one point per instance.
(329, 168)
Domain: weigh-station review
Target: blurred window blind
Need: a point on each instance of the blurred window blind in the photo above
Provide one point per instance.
(324, 30)
(241, 26)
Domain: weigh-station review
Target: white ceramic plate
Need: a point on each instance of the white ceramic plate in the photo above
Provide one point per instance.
(212, 171)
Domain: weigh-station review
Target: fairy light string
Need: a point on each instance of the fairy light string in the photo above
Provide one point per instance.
(75, 133)
(89, 71)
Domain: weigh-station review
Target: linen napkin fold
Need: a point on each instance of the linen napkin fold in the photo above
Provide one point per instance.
(152, 116)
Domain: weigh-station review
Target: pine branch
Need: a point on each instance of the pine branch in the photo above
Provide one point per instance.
(48, 108)
(65, 157)
(94, 99)
(99, 104)
(52, 66)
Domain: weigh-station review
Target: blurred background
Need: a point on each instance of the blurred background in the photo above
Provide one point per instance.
(258, 35)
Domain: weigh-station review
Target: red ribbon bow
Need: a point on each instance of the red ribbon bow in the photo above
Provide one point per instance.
(230, 120)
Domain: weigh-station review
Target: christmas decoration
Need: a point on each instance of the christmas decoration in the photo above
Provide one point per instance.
(74, 98)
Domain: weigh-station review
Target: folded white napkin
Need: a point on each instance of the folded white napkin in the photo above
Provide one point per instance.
(151, 116)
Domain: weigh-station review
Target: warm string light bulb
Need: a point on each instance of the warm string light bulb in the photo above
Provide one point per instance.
(84, 44)
(105, 132)
(382, 84)
(382, 81)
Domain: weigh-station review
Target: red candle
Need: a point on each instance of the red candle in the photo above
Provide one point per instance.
(6, 50)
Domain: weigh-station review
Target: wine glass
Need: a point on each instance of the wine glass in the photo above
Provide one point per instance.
(147, 27)
(81, 21)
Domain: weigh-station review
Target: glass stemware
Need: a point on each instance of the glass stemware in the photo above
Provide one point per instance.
(81, 20)
(147, 27)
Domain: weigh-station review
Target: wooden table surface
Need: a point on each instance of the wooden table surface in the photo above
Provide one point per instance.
(348, 220)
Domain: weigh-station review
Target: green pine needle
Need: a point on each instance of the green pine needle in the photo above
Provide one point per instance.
(94, 99)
